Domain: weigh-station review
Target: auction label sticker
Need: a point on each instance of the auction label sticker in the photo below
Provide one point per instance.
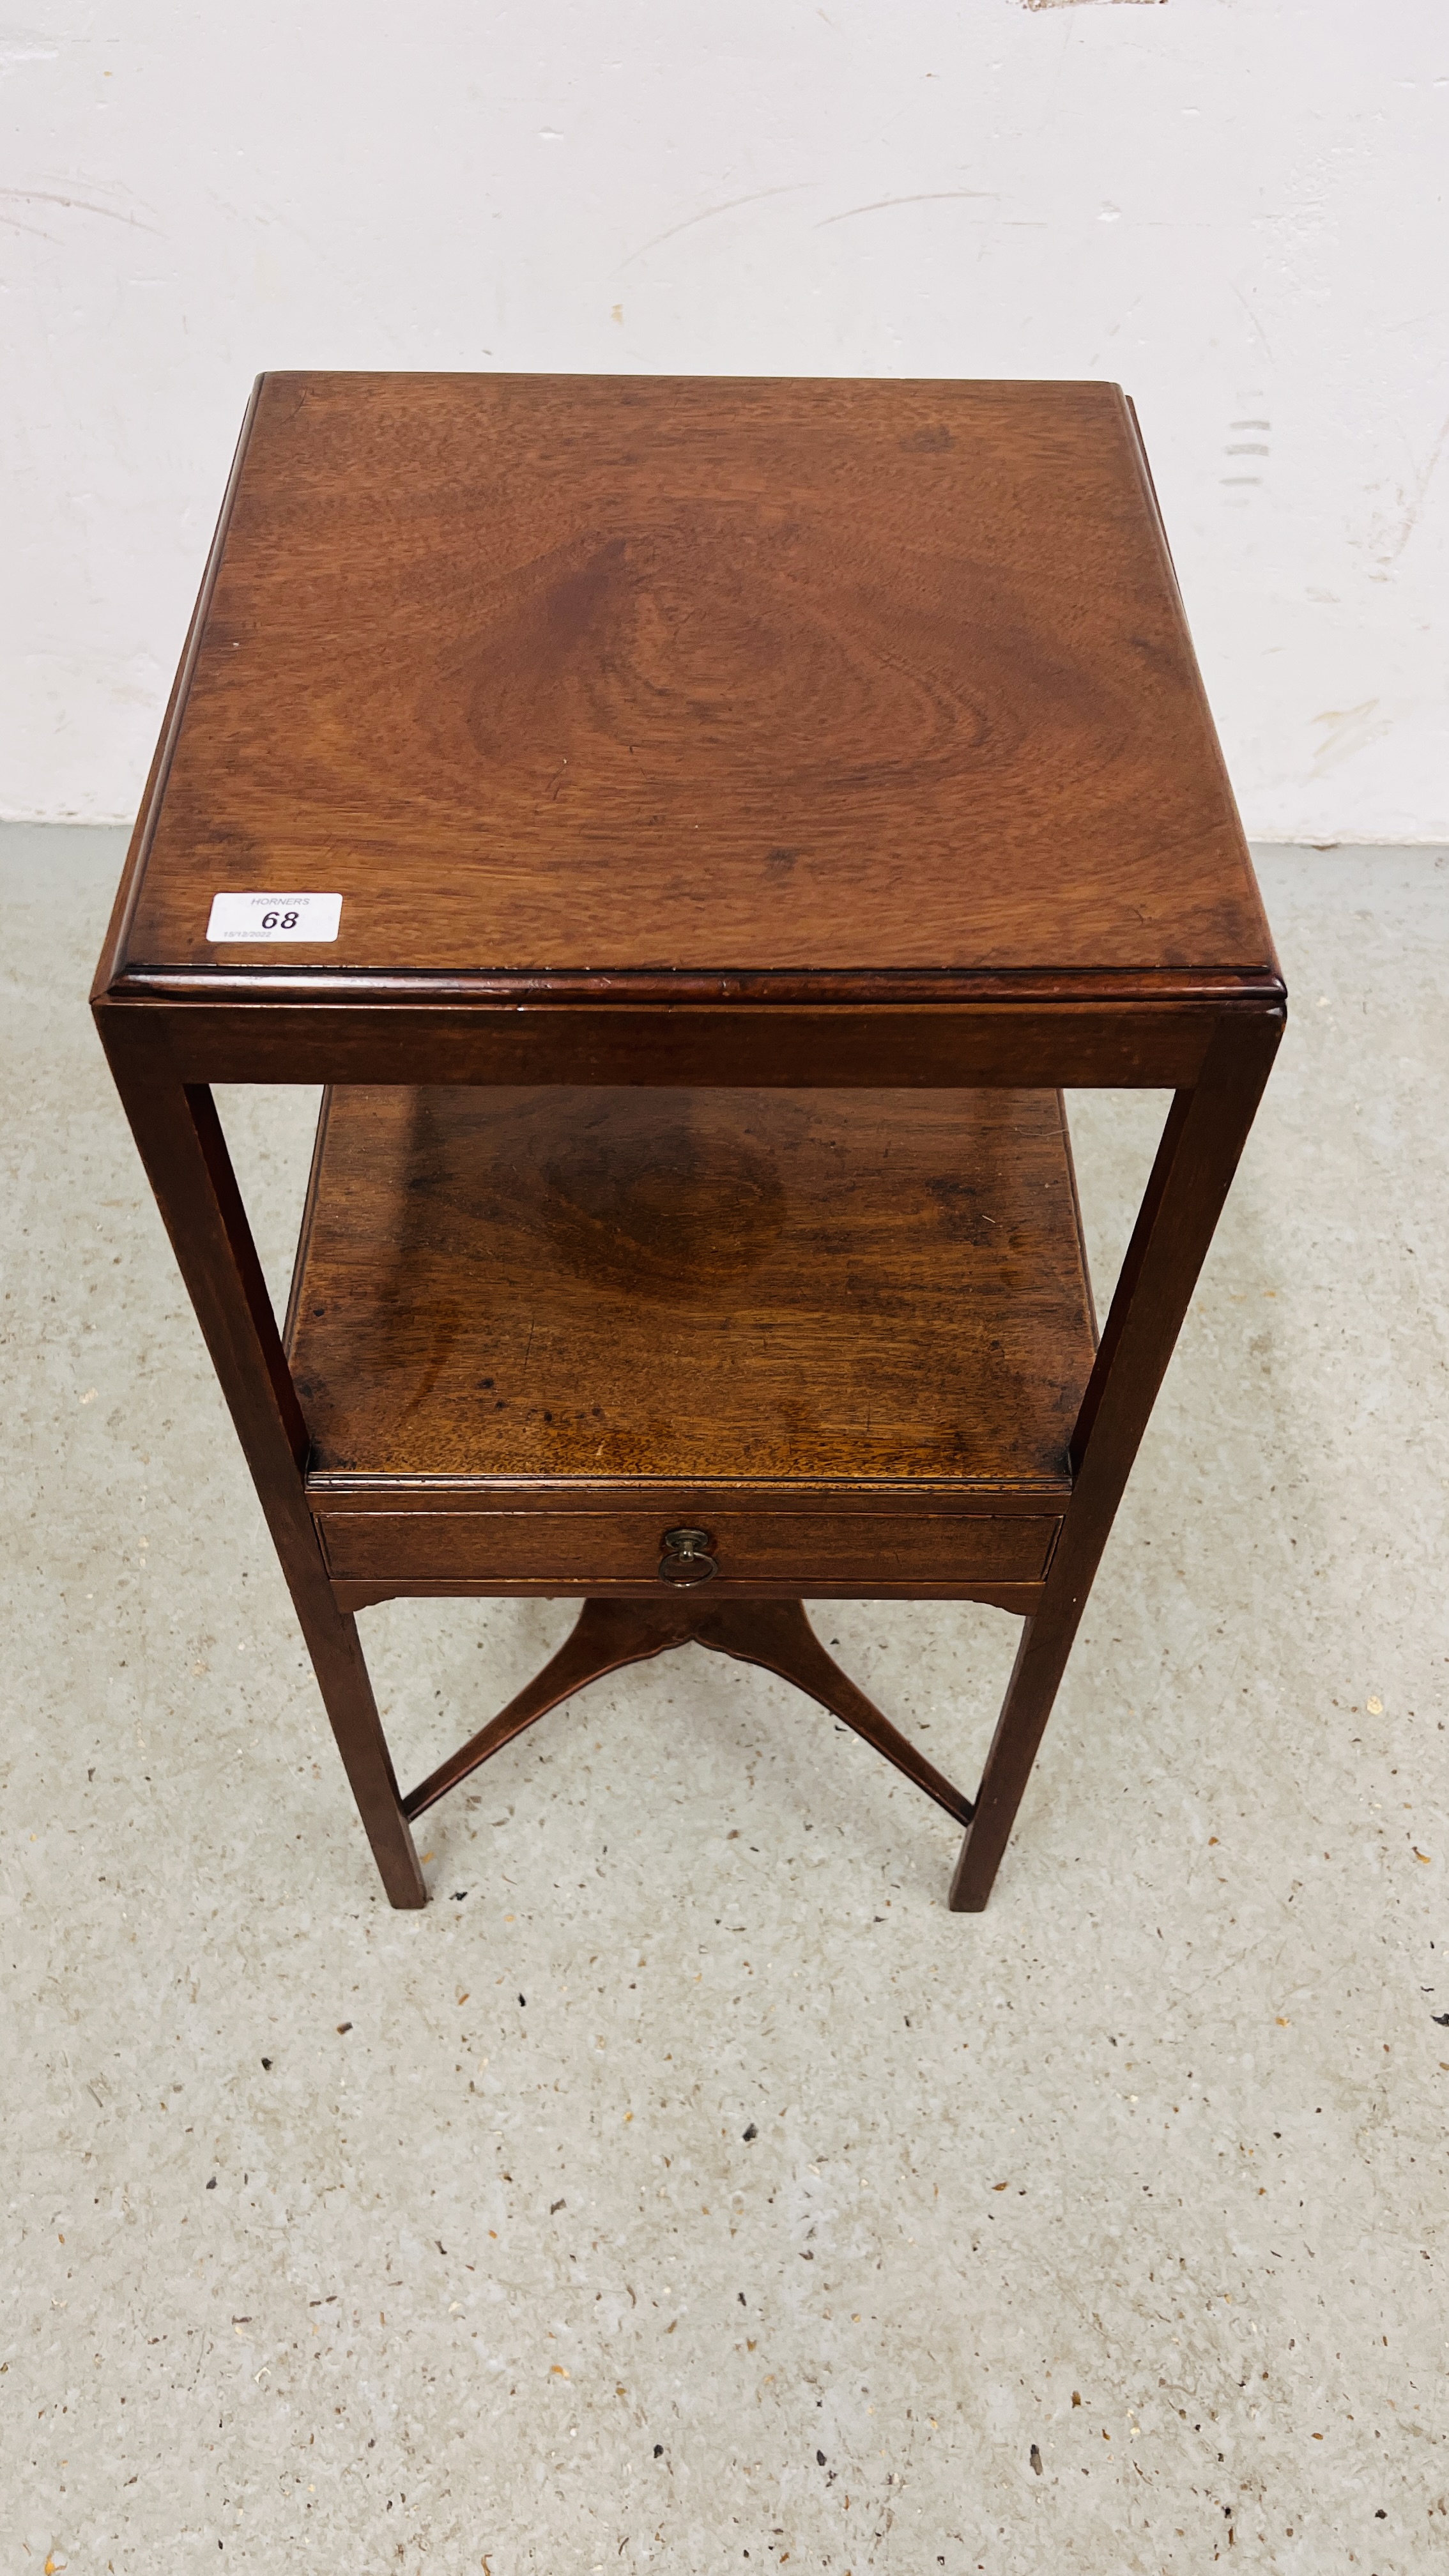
(262, 917)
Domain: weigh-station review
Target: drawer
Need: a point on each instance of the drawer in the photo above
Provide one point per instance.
(889, 1552)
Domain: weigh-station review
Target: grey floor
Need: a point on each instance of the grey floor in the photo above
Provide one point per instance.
(686, 2188)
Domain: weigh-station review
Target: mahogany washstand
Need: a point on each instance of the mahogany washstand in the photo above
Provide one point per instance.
(751, 804)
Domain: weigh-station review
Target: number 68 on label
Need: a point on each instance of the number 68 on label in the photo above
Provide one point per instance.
(253, 918)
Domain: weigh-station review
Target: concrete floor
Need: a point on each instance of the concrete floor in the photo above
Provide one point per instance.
(789, 2219)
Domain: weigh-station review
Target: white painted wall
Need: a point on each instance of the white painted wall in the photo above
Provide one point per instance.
(1236, 207)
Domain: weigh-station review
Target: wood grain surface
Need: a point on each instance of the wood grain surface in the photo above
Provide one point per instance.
(647, 675)
(693, 1287)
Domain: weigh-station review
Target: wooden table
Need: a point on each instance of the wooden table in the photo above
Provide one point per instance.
(750, 804)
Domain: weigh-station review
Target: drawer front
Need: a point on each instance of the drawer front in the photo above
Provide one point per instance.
(900, 1551)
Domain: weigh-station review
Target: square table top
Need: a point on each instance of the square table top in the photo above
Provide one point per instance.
(612, 681)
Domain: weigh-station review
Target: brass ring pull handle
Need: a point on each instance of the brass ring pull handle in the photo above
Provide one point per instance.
(686, 1557)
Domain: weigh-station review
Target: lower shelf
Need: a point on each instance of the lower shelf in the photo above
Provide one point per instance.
(845, 1334)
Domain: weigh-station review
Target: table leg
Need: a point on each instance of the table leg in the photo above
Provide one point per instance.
(1202, 1141)
(179, 1137)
